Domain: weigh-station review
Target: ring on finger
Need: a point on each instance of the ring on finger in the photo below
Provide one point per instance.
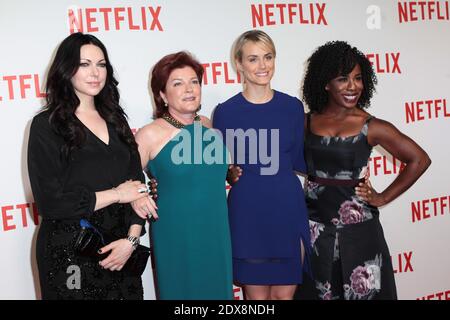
(142, 190)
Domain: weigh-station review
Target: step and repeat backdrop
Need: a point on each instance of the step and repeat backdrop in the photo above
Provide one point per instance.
(407, 42)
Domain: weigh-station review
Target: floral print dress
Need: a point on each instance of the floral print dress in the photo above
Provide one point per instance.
(350, 257)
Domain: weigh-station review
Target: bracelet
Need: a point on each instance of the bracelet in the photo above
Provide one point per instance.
(134, 241)
(118, 193)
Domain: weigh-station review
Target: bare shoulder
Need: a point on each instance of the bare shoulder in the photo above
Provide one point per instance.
(377, 124)
(206, 121)
(152, 131)
(381, 131)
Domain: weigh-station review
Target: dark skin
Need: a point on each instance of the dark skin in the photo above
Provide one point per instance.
(401, 147)
(341, 117)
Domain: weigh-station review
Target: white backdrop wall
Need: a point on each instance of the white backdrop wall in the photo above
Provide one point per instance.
(406, 40)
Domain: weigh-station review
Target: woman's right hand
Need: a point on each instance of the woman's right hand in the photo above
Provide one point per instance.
(233, 174)
(131, 191)
(145, 208)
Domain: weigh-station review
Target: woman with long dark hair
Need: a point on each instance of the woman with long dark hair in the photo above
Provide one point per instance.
(83, 164)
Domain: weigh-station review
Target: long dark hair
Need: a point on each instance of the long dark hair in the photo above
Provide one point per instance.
(62, 100)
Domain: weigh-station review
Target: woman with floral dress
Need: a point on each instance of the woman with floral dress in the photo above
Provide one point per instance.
(350, 257)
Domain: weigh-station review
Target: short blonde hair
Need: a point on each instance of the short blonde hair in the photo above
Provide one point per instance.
(254, 36)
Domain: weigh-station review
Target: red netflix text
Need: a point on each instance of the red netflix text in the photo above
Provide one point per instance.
(21, 86)
(410, 11)
(426, 109)
(385, 63)
(120, 18)
(385, 165)
(443, 295)
(16, 215)
(237, 292)
(219, 72)
(288, 13)
(402, 262)
(427, 208)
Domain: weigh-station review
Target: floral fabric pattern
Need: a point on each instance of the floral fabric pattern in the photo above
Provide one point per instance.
(325, 291)
(351, 212)
(351, 259)
(315, 229)
(313, 189)
(365, 281)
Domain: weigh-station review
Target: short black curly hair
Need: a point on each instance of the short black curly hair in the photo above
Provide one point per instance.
(329, 61)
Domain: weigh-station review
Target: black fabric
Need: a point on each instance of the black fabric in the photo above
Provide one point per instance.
(64, 191)
(89, 241)
(350, 257)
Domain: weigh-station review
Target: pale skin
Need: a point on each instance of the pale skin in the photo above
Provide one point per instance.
(257, 67)
(87, 82)
(182, 95)
(342, 118)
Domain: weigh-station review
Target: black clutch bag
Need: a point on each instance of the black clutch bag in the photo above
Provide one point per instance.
(89, 240)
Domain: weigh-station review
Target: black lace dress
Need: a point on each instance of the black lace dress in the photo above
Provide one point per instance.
(350, 257)
(64, 192)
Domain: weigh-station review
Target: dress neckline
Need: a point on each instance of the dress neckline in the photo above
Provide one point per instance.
(249, 103)
(95, 136)
(365, 124)
(174, 138)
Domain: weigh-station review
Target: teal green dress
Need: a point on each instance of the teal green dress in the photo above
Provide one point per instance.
(191, 238)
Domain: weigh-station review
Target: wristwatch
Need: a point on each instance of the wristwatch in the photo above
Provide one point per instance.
(134, 241)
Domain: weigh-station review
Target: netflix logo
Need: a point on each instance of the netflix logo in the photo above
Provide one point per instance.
(237, 293)
(385, 63)
(402, 262)
(425, 209)
(443, 295)
(426, 109)
(21, 86)
(16, 215)
(219, 72)
(410, 11)
(288, 13)
(385, 165)
(119, 18)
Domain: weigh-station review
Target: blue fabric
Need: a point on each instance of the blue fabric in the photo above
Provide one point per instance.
(268, 216)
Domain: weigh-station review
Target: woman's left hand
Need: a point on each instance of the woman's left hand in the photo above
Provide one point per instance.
(121, 251)
(367, 193)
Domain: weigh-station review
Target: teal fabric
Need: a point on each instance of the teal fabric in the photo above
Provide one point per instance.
(191, 238)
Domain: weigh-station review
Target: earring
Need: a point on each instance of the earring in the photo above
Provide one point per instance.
(165, 104)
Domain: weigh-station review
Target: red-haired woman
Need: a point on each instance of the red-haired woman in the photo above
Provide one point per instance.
(191, 237)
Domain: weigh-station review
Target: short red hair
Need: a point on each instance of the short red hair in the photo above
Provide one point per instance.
(161, 72)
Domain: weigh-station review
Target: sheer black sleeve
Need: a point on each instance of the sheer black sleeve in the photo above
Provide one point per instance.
(46, 171)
